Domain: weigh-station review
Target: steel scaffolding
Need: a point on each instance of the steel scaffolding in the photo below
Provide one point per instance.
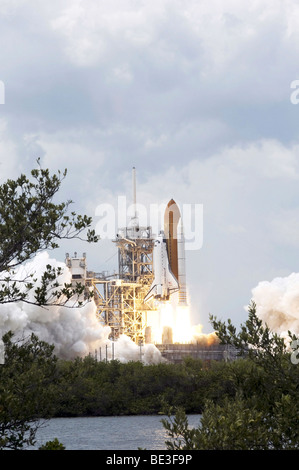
(120, 299)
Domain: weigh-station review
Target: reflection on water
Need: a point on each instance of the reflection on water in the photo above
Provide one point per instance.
(108, 433)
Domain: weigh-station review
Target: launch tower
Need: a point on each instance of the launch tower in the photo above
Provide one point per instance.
(150, 269)
(120, 298)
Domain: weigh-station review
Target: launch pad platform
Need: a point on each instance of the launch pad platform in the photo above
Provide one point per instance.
(176, 353)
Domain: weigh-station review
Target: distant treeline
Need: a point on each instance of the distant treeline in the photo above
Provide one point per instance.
(86, 387)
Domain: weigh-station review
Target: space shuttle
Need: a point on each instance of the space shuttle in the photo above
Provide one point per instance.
(169, 259)
(164, 283)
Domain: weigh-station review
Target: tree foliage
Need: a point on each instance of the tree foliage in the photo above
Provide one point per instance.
(91, 388)
(35, 385)
(263, 413)
(27, 394)
(30, 221)
(52, 445)
(250, 403)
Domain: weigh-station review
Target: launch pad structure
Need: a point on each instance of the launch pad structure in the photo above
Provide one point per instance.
(120, 298)
(150, 269)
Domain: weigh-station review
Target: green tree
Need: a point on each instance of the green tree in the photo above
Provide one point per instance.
(263, 412)
(30, 222)
(52, 445)
(26, 390)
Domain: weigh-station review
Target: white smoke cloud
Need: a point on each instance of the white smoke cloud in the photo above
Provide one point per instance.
(73, 331)
(126, 350)
(278, 303)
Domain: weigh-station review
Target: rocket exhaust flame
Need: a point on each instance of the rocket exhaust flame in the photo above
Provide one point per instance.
(182, 331)
(175, 318)
(204, 339)
(78, 332)
(170, 282)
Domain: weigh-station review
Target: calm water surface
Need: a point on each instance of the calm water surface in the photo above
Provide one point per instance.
(108, 433)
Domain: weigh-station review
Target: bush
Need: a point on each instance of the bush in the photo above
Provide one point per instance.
(52, 445)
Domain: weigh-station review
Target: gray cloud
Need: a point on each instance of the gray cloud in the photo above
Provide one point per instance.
(195, 94)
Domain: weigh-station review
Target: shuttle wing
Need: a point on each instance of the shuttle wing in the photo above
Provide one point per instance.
(164, 283)
(151, 293)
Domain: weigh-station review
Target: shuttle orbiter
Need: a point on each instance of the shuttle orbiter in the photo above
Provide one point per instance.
(164, 283)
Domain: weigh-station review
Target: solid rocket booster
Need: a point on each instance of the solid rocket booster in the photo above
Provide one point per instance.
(182, 266)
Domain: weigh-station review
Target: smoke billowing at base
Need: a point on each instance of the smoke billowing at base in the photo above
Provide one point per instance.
(204, 339)
(75, 332)
(277, 303)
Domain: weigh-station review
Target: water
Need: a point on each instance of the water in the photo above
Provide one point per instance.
(108, 433)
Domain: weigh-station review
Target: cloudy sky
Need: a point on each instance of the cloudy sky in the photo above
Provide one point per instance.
(195, 94)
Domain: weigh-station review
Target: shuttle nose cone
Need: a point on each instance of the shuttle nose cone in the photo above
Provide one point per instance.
(171, 202)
